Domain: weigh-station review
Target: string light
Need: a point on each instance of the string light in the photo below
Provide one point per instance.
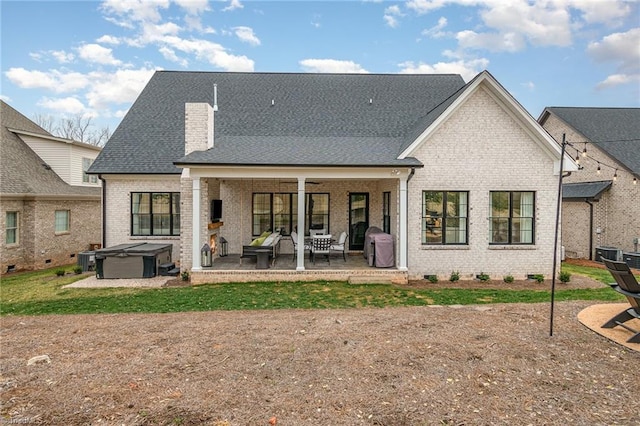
(600, 164)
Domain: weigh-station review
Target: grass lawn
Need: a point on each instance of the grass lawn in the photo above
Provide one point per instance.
(41, 292)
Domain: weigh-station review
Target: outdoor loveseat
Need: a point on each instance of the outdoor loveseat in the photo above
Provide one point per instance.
(267, 244)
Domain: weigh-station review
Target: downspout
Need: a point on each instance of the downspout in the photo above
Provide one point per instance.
(586, 200)
(406, 237)
(104, 211)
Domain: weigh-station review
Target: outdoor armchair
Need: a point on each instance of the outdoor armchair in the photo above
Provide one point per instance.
(627, 285)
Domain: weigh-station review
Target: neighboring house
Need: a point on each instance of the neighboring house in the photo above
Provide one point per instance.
(50, 206)
(601, 203)
(460, 174)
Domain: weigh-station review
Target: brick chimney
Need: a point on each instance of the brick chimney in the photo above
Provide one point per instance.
(198, 127)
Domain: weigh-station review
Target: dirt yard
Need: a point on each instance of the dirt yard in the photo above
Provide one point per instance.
(472, 365)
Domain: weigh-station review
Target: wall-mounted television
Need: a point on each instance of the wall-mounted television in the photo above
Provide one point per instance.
(216, 210)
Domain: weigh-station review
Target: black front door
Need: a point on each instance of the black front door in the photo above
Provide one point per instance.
(358, 219)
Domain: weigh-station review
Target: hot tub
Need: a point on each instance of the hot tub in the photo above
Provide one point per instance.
(137, 260)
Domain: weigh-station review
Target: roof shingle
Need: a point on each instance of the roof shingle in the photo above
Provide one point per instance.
(276, 119)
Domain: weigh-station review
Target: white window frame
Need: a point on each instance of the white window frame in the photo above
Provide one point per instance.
(62, 220)
(87, 178)
(15, 229)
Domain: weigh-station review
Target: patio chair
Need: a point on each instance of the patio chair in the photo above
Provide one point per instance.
(321, 244)
(627, 285)
(294, 239)
(340, 244)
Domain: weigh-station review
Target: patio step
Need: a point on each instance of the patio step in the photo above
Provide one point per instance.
(369, 279)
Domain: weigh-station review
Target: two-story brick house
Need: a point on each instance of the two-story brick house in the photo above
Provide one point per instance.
(50, 206)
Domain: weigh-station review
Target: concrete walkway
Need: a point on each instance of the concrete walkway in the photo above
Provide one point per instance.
(94, 282)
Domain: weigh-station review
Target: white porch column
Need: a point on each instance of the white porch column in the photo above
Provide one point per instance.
(195, 225)
(301, 225)
(402, 234)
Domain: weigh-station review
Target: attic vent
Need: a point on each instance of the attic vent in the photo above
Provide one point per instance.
(273, 102)
(370, 101)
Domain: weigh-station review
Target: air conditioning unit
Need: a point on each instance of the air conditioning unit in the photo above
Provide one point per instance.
(632, 259)
(87, 260)
(609, 253)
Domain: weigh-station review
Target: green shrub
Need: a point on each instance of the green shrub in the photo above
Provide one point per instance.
(184, 275)
(455, 276)
(60, 272)
(539, 278)
(508, 279)
(565, 277)
(483, 277)
(77, 269)
(433, 278)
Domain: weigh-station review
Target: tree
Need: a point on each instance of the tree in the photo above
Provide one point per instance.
(77, 128)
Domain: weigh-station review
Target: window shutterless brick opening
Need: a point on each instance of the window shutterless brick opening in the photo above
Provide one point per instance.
(47, 261)
(72, 255)
(11, 268)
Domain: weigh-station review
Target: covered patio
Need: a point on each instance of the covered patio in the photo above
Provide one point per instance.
(355, 270)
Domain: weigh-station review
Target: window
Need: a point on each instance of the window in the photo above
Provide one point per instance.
(155, 213)
(386, 212)
(11, 224)
(87, 178)
(62, 221)
(445, 217)
(279, 211)
(512, 217)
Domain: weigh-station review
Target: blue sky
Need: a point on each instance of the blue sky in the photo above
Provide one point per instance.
(65, 58)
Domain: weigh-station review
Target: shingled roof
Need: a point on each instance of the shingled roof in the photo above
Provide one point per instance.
(22, 171)
(614, 130)
(277, 119)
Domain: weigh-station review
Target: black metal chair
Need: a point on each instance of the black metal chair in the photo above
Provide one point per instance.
(627, 285)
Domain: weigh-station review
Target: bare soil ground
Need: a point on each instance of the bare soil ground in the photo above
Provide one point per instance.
(472, 365)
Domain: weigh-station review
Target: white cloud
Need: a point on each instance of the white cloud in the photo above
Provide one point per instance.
(170, 55)
(618, 80)
(135, 10)
(108, 39)
(622, 50)
(608, 12)
(211, 52)
(512, 25)
(65, 106)
(36, 56)
(467, 69)
(436, 30)
(246, 35)
(529, 85)
(233, 5)
(54, 80)
(121, 87)
(95, 53)
(62, 56)
(332, 66)
(193, 7)
(509, 42)
(391, 15)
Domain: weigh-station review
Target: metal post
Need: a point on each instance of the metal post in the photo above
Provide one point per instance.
(555, 241)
